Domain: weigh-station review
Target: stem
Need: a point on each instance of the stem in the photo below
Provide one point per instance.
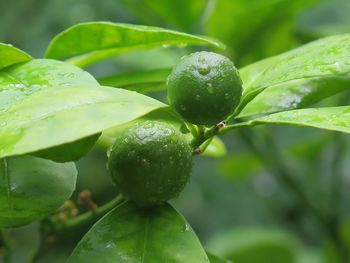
(88, 217)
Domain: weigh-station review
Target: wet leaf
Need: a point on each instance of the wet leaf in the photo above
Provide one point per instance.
(129, 234)
(302, 76)
(10, 55)
(328, 118)
(71, 113)
(140, 81)
(31, 188)
(89, 43)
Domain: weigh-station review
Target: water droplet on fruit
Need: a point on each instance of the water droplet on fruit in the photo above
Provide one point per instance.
(204, 69)
(201, 59)
(227, 96)
(210, 88)
(197, 97)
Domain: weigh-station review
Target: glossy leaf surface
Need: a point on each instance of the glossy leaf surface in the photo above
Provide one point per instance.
(71, 113)
(216, 148)
(20, 81)
(31, 188)
(128, 234)
(10, 55)
(306, 74)
(92, 42)
(216, 259)
(328, 118)
(141, 81)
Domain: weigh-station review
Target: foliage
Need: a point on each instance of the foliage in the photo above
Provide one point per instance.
(56, 108)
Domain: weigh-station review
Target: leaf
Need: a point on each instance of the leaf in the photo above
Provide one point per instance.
(328, 118)
(10, 55)
(216, 148)
(295, 94)
(18, 82)
(129, 234)
(141, 81)
(216, 259)
(31, 188)
(92, 42)
(71, 113)
(251, 245)
(312, 67)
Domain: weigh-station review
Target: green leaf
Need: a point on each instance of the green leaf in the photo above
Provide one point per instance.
(216, 259)
(60, 115)
(304, 72)
(327, 118)
(18, 82)
(295, 94)
(141, 81)
(92, 42)
(10, 55)
(216, 148)
(130, 234)
(31, 188)
(251, 245)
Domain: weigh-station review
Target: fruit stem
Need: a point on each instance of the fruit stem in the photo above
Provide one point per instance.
(203, 135)
(88, 217)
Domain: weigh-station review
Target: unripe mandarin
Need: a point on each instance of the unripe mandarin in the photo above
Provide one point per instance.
(150, 163)
(204, 88)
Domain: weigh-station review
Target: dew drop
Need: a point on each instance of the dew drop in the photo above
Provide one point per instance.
(204, 69)
(210, 88)
(186, 227)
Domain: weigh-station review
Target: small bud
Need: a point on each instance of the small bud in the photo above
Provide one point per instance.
(197, 151)
(220, 126)
(85, 198)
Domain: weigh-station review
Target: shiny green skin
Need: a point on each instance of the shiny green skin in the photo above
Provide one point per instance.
(150, 163)
(69, 152)
(204, 88)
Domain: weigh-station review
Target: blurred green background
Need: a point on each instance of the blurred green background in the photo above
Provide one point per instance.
(237, 204)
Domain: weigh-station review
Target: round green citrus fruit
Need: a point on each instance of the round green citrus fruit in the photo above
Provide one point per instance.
(68, 152)
(150, 162)
(204, 88)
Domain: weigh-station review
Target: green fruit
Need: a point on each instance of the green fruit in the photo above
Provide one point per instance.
(150, 162)
(204, 88)
(68, 152)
